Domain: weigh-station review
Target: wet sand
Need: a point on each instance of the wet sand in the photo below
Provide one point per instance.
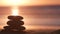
(40, 29)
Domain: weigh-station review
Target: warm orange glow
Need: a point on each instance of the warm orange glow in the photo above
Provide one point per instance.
(13, 2)
(15, 11)
(28, 2)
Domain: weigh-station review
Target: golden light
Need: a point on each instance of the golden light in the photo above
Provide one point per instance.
(13, 2)
(15, 11)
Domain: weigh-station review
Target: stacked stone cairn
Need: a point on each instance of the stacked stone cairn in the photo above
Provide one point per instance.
(15, 23)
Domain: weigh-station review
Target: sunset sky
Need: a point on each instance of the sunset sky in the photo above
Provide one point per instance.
(29, 2)
(32, 13)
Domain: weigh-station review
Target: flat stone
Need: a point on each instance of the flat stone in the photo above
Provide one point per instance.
(21, 28)
(16, 23)
(16, 18)
(14, 28)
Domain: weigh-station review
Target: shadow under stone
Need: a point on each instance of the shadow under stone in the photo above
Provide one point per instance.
(13, 32)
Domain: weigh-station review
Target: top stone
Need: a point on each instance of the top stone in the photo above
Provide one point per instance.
(15, 17)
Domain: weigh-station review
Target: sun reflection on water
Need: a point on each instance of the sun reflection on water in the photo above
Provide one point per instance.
(15, 11)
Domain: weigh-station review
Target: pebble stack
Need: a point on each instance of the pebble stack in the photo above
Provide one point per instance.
(15, 23)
